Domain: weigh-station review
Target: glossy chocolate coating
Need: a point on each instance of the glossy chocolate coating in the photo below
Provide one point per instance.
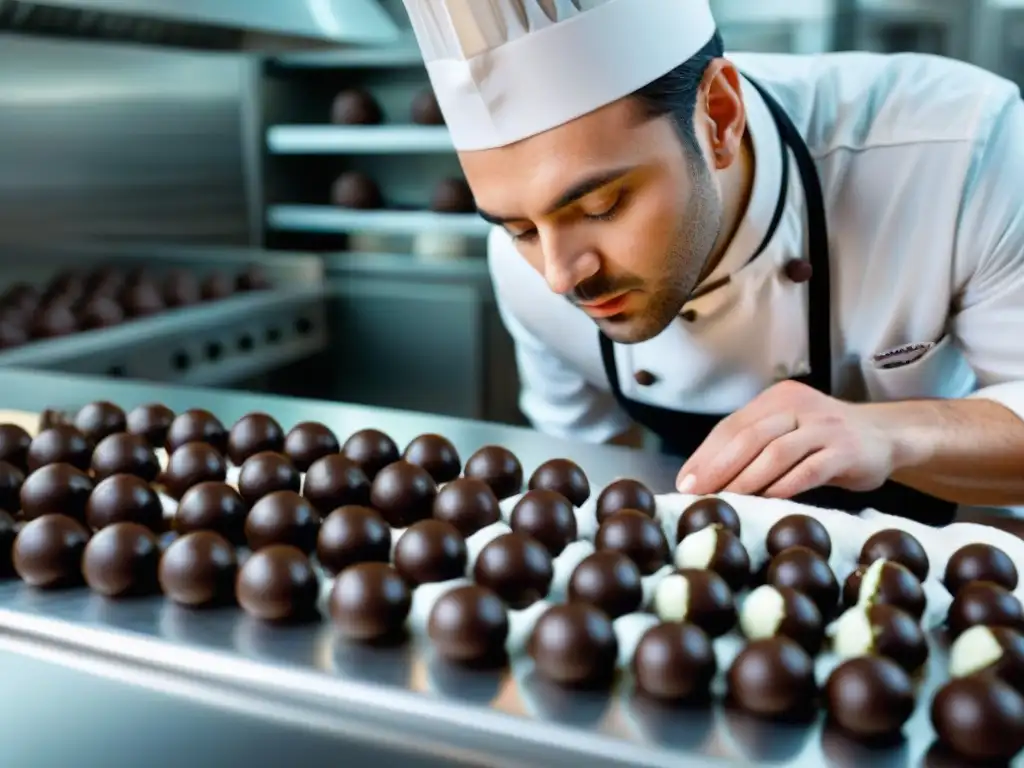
(56, 489)
(152, 422)
(99, 420)
(798, 531)
(12, 334)
(60, 444)
(548, 517)
(769, 611)
(575, 645)
(806, 571)
(625, 494)
(452, 196)
(196, 426)
(996, 651)
(48, 552)
(351, 535)
(674, 662)
(216, 286)
(403, 493)
(51, 417)
(14, 443)
(499, 468)
(54, 320)
(979, 718)
(124, 499)
(980, 562)
(355, 106)
(984, 602)
(564, 477)
(265, 473)
(192, 464)
(125, 454)
(699, 597)
(516, 567)
(709, 510)
(425, 109)
(282, 517)
(896, 586)
(637, 536)
(718, 549)
(11, 480)
(896, 546)
(370, 602)
(199, 569)
(354, 189)
(870, 697)
(336, 481)
(142, 298)
(467, 504)
(436, 454)
(889, 632)
(469, 625)
(122, 560)
(278, 584)
(431, 551)
(212, 506)
(309, 442)
(372, 450)
(100, 312)
(252, 434)
(607, 580)
(181, 289)
(772, 677)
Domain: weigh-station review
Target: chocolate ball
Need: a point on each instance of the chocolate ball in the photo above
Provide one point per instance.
(192, 464)
(625, 494)
(142, 299)
(564, 477)
(896, 546)
(8, 532)
(355, 106)
(125, 454)
(435, 454)
(468, 504)
(252, 434)
(181, 289)
(11, 480)
(404, 493)
(124, 499)
(469, 625)
(698, 597)
(870, 697)
(354, 189)
(253, 278)
(425, 109)
(56, 489)
(372, 450)
(50, 418)
(151, 422)
(48, 552)
(199, 569)
(216, 286)
(574, 645)
(704, 512)
(997, 651)
(984, 602)
(516, 567)
(888, 583)
(452, 196)
(215, 507)
(771, 611)
(309, 442)
(265, 473)
(431, 551)
(61, 444)
(637, 536)
(806, 571)
(718, 549)
(980, 562)
(100, 312)
(14, 443)
(369, 602)
(609, 581)
(674, 662)
(772, 677)
(122, 560)
(196, 426)
(278, 584)
(798, 531)
(980, 719)
(54, 320)
(282, 517)
(881, 630)
(99, 420)
(351, 535)
(499, 468)
(335, 481)
(12, 334)
(548, 517)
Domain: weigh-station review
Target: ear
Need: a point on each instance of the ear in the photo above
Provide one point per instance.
(720, 113)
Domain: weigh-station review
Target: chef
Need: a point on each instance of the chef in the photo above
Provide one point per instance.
(804, 274)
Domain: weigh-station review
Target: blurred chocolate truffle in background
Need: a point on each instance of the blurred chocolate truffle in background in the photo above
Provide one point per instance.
(452, 196)
(60, 444)
(196, 426)
(425, 109)
(212, 506)
(125, 454)
(152, 422)
(121, 560)
(142, 298)
(354, 189)
(898, 547)
(8, 532)
(499, 468)
(13, 333)
(48, 552)
(355, 106)
(11, 480)
(253, 278)
(14, 444)
(372, 450)
(798, 531)
(100, 312)
(199, 569)
(308, 442)
(54, 320)
(254, 433)
(436, 454)
(56, 489)
(625, 494)
(980, 562)
(216, 286)
(984, 602)
(980, 719)
(564, 477)
(124, 499)
(181, 289)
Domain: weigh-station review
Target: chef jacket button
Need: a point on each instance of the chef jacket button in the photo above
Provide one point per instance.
(798, 270)
(644, 378)
(689, 315)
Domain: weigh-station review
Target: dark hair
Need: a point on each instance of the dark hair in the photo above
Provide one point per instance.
(675, 93)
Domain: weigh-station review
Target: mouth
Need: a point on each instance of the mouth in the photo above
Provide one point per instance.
(606, 307)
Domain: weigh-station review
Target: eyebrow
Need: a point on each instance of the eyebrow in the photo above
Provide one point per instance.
(578, 190)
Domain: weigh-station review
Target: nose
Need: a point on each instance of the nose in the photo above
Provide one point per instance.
(567, 264)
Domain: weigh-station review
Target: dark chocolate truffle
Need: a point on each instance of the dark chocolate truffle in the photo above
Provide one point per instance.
(772, 677)
(516, 567)
(335, 481)
(14, 443)
(698, 597)
(282, 517)
(372, 450)
(798, 531)
(718, 549)
(548, 517)
(885, 582)
(469, 625)
(674, 662)
(452, 196)
(881, 630)
(277, 583)
(499, 468)
(142, 298)
(181, 289)
(151, 422)
(199, 569)
(100, 312)
(196, 426)
(216, 286)
(564, 477)
(355, 106)
(8, 532)
(265, 473)
(60, 444)
(769, 611)
(984, 602)
(997, 651)
(54, 320)
(125, 454)
(704, 512)
(870, 697)
(121, 561)
(609, 581)
(370, 602)
(99, 420)
(354, 189)
(12, 334)
(308, 442)
(435, 454)
(253, 278)
(467, 504)
(637, 536)
(806, 571)
(11, 480)
(575, 645)
(351, 535)
(213, 507)
(431, 551)
(625, 494)
(896, 546)
(404, 493)
(192, 464)
(51, 417)
(56, 489)
(425, 109)
(979, 718)
(980, 562)
(124, 499)
(48, 552)
(252, 434)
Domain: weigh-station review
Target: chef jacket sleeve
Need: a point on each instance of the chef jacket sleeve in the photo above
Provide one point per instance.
(989, 258)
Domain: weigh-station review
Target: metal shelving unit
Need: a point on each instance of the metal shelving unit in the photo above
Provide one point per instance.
(357, 140)
(326, 219)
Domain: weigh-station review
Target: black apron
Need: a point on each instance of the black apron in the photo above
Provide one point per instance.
(681, 433)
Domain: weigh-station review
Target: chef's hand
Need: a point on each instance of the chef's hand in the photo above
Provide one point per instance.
(790, 439)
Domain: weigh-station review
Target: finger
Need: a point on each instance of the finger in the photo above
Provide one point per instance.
(816, 470)
(721, 459)
(778, 458)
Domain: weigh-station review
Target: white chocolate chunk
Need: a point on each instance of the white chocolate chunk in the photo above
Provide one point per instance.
(697, 549)
(975, 650)
(762, 613)
(853, 634)
(672, 598)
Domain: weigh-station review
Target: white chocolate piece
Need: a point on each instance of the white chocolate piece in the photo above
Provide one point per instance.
(480, 539)
(870, 582)
(762, 613)
(697, 549)
(232, 475)
(520, 626)
(852, 634)
(396, 534)
(975, 650)
(672, 598)
(586, 520)
(574, 554)
(649, 584)
(507, 505)
(423, 599)
(629, 631)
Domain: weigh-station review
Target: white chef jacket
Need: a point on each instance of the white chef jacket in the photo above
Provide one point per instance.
(921, 162)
